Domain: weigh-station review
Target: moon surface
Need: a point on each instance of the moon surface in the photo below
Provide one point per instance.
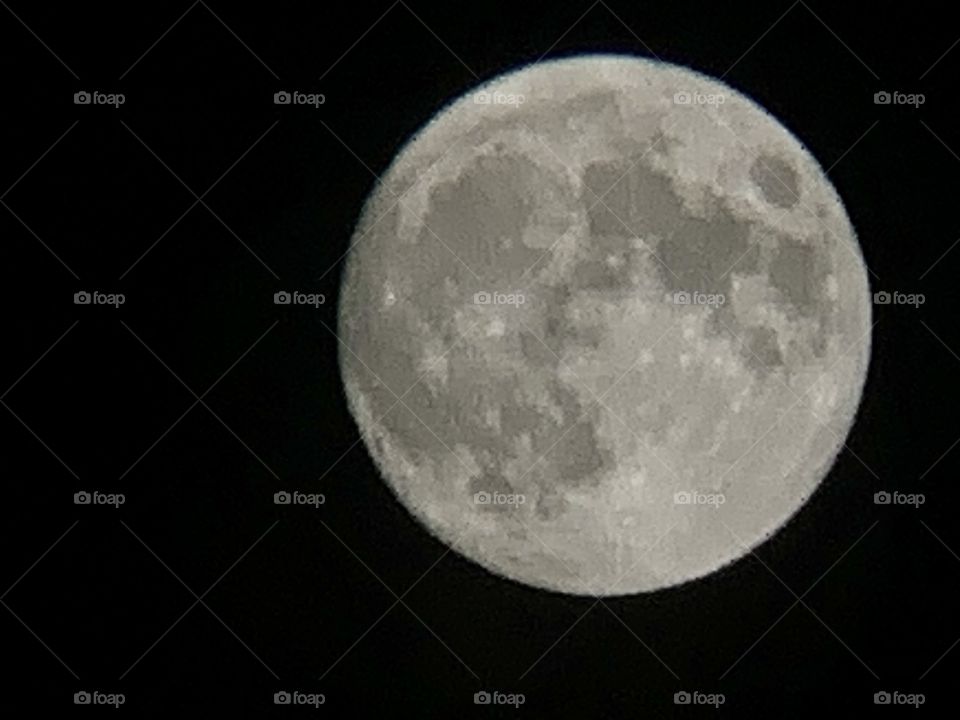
(605, 325)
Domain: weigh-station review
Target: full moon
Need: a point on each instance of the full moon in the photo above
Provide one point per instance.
(604, 325)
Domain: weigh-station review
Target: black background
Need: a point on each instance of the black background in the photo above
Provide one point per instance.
(200, 298)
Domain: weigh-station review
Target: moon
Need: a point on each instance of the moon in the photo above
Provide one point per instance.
(604, 325)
